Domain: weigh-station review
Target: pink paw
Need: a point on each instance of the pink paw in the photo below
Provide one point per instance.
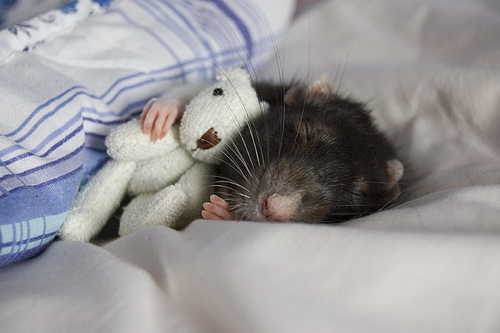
(216, 209)
(158, 116)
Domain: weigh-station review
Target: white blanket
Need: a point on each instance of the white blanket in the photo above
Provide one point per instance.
(429, 69)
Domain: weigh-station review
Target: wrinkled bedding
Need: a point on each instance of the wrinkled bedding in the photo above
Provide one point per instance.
(429, 70)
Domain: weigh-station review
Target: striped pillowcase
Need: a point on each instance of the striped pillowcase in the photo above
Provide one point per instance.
(72, 74)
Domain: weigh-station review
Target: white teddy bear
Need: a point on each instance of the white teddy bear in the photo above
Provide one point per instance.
(169, 179)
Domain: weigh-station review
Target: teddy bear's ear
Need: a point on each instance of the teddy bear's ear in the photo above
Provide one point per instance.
(221, 76)
(264, 106)
(233, 75)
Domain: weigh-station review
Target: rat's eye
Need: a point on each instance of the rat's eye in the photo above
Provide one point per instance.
(305, 130)
(218, 92)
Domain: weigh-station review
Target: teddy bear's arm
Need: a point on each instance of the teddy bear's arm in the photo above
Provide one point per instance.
(127, 143)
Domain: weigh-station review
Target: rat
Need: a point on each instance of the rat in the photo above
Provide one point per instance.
(313, 157)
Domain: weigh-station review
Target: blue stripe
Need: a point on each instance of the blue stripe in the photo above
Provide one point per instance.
(44, 166)
(53, 112)
(128, 110)
(39, 108)
(130, 87)
(53, 197)
(26, 242)
(56, 133)
(51, 149)
(54, 147)
(137, 105)
(13, 239)
(125, 78)
(167, 22)
(43, 235)
(108, 123)
(3, 191)
(104, 114)
(10, 258)
(195, 32)
(21, 236)
(48, 182)
(125, 111)
(95, 135)
(241, 26)
(9, 150)
(150, 32)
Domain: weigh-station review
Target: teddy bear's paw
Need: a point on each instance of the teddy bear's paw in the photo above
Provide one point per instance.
(78, 226)
(127, 142)
(163, 208)
(170, 203)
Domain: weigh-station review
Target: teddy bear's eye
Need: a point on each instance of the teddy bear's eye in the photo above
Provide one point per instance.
(218, 92)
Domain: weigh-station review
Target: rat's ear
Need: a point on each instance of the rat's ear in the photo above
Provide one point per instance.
(320, 89)
(295, 95)
(395, 172)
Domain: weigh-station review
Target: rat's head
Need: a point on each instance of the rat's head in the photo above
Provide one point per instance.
(217, 113)
(318, 159)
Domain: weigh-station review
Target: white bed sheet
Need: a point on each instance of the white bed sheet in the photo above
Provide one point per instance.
(430, 72)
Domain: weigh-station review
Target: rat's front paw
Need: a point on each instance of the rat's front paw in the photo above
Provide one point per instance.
(159, 115)
(216, 209)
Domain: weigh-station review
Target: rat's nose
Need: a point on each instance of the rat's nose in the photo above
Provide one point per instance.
(279, 208)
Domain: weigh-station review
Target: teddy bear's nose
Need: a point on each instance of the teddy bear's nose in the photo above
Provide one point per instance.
(208, 140)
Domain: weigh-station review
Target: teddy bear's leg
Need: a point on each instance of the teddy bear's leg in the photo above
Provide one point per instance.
(95, 204)
(161, 208)
(175, 206)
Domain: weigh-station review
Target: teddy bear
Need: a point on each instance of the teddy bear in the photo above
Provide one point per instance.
(168, 179)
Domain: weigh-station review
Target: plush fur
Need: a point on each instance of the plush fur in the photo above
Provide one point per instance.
(168, 179)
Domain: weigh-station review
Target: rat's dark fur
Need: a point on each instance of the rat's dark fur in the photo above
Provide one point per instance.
(320, 151)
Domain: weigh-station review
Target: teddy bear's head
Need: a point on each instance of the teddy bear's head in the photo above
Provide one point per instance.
(217, 113)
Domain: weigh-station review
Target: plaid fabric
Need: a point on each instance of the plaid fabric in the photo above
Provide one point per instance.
(70, 75)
